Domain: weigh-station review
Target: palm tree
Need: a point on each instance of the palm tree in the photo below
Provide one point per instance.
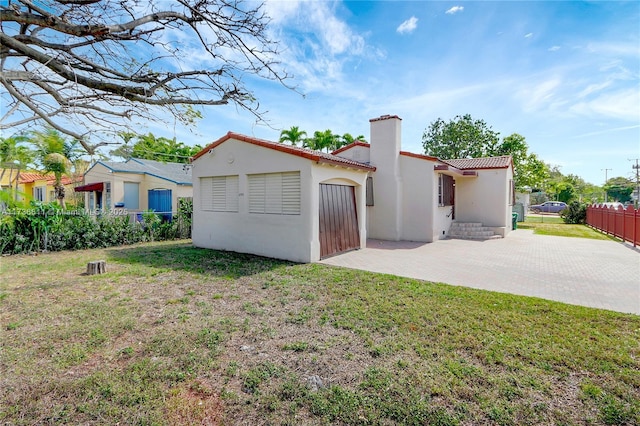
(347, 139)
(322, 140)
(55, 155)
(14, 156)
(293, 135)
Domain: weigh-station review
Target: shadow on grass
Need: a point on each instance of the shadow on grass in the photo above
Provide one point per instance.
(185, 257)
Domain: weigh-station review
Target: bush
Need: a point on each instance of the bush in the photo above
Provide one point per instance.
(576, 212)
(40, 226)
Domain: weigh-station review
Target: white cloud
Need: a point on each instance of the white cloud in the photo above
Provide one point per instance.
(528, 35)
(623, 105)
(408, 26)
(539, 96)
(455, 9)
(554, 48)
(316, 44)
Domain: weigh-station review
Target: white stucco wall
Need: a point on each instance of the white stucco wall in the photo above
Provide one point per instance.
(356, 153)
(485, 199)
(385, 218)
(417, 199)
(291, 237)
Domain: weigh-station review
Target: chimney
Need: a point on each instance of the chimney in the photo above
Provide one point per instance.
(386, 138)
(385, 218)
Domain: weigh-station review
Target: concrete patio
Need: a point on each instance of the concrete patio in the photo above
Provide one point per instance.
(579, 271)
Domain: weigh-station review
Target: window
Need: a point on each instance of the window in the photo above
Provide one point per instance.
(369, 190)
(446, 194)
(275, 193)
(131, 195)
(219, 193)
(39, 193)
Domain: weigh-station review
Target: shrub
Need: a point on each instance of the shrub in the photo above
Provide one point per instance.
(576, 212)
(39, 226)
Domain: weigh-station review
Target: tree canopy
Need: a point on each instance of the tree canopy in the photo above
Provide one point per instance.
(86, 67)
(150, 147)
(321, 140)
(619, 189)
(462, 137)
(465, 137)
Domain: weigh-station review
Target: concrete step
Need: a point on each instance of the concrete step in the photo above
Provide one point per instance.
(471, 231)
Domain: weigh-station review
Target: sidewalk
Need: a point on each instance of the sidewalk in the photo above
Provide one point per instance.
(579, 271)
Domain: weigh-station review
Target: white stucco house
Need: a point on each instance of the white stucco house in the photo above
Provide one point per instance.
(267, 198)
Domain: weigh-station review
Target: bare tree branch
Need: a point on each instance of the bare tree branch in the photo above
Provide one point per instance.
(86, 67)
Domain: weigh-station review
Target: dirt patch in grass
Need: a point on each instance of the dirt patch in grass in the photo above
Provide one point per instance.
(177, 335)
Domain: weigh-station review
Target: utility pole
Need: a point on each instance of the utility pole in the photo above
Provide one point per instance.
(605, 183)
(637, 167)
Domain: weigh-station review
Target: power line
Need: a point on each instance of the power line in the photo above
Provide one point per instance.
(637, 167)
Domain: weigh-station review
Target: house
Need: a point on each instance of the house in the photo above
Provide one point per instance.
(266, 198)
(38, 187)
(136, 185)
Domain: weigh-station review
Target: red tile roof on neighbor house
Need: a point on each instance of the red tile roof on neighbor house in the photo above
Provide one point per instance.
(30, 177)
(501, 162)
(317, 156)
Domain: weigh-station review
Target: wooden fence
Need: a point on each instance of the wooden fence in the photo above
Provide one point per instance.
(620, 222)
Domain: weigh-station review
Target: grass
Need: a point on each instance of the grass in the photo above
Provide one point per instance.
(554, 225)
(177, 335)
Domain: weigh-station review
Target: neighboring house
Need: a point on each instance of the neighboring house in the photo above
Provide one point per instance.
(8, 178)
(136, 185)
(266, 198)
(37, 187)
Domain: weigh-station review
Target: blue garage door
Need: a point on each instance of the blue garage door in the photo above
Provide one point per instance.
(160, 202)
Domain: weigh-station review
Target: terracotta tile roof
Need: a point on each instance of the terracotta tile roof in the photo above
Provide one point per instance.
(420, 156)
(318, 156)
(501, 162)
(30, 177)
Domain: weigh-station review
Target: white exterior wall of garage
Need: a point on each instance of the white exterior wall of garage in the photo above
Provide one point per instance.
(284, 236)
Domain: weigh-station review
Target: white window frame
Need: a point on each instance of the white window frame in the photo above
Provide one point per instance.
(40, 193)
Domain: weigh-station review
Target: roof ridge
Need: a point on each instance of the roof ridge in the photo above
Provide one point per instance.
(319, 156)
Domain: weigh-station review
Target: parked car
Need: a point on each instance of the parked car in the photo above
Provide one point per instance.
(548, 207)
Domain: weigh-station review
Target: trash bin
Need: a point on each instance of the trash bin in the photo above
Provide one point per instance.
(514, 221)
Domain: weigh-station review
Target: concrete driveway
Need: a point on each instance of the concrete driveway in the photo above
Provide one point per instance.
(595, 273)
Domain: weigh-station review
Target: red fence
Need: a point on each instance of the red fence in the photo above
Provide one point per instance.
(620, 222)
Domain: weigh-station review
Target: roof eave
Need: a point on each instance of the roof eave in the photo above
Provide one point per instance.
(454, 171)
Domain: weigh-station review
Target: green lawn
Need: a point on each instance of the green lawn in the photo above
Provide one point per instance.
(554, 225)
(177, 335)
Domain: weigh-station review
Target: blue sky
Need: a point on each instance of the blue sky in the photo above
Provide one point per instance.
(566, 75)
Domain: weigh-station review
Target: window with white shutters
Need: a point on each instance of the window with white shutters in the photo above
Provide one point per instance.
(219, 193)
(275, 193)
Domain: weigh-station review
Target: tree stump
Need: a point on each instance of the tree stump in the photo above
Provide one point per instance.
(96, 267)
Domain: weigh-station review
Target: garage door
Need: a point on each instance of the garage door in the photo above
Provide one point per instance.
(338, 220)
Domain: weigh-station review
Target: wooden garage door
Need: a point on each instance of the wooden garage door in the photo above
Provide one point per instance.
(338, 220)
